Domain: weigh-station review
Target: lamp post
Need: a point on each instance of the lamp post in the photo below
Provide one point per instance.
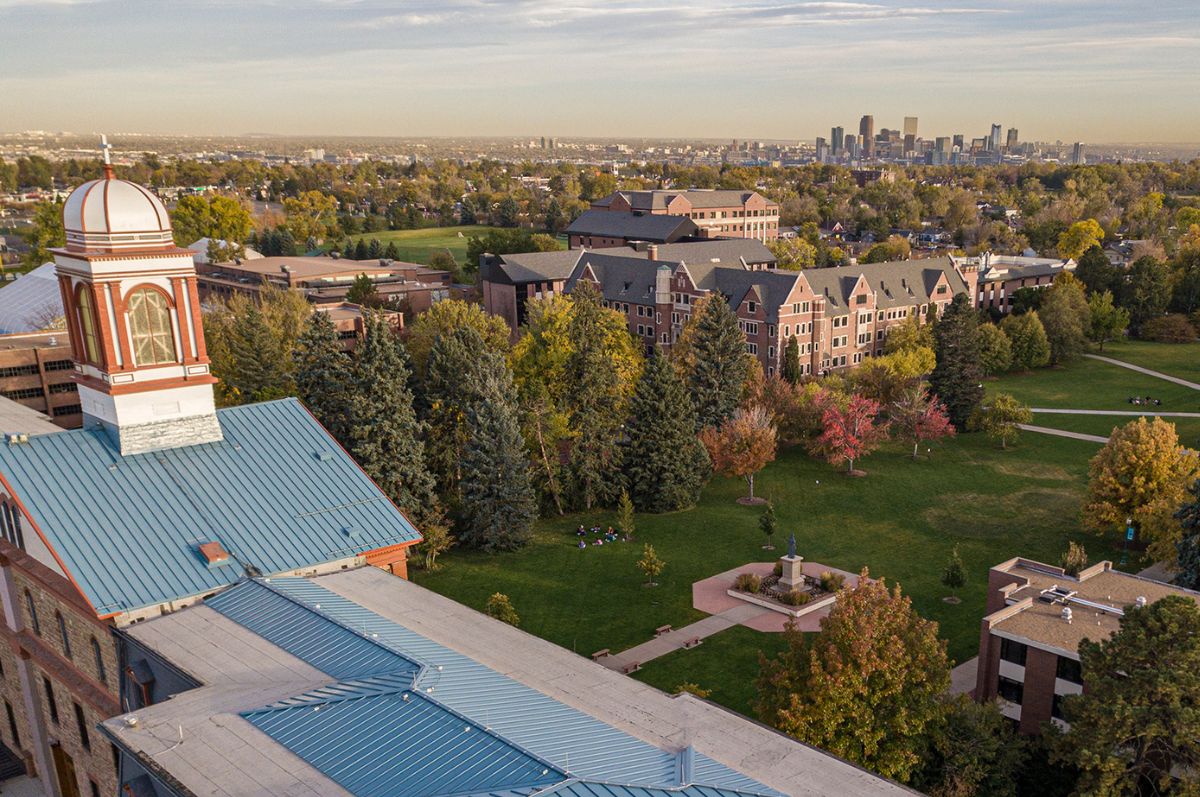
(1128, 539)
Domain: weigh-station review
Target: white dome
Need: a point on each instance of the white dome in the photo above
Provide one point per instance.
(110, 214)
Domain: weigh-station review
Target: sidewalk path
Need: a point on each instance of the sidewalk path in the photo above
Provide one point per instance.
(1061, 411)
(674, 640)
(1091, 438)
(962, 677)
(1147, 371)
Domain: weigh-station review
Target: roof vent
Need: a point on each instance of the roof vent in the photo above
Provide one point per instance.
(130, 720)
(1141, 601)
(17, 438)
(324, 456)
(214, 553)
(352, 532)
(1066, 613)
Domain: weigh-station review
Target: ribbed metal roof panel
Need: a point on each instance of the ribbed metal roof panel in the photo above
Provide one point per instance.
(578, 743)
(302, 631)
(395, 743)
(278, 493)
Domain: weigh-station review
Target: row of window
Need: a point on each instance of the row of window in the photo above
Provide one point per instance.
(30, 370)
(65, 637)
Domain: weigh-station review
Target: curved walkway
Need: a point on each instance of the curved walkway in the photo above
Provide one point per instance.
(1141, 370)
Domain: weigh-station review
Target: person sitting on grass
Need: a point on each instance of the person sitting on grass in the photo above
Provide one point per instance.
(582, 544)
(597, 542)
(581, 531)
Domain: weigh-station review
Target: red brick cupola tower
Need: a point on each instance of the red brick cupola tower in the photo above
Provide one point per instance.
(133, 315)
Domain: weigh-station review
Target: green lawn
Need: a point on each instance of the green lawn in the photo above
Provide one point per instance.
(901, 520)
(1181, 360)
(417, 246)
(1093, 385)
(1187, 428)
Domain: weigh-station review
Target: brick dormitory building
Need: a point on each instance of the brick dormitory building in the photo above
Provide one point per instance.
(1037, 616)
(201, 601)
(717, 213)
(839, 316)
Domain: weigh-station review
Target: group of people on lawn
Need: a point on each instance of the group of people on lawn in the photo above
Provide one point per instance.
(609, 536)
(1145, 400)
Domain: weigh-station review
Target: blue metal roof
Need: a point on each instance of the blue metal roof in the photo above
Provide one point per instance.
(278, 493)
(392, 742)
(581, 788)
(580, 745)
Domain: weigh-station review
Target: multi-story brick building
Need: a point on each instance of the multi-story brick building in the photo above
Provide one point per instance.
(598, 229)
(1002, 275)
(719, 213)
(37, 370)
(839, 316)
(1037, 616)
(158, 501)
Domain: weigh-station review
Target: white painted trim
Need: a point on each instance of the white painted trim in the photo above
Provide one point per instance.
(187, 314)
(112, 323)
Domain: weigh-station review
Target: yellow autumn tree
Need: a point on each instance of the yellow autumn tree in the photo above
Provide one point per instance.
(446, 316)
(1142, 473)
(1080, 237)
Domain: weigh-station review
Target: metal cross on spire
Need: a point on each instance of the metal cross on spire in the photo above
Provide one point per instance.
(106, 149)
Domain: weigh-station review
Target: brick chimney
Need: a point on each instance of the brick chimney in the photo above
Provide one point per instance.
(652, 252)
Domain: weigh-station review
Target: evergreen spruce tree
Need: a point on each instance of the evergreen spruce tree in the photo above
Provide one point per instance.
(453, 384)
(382, 428)
(720, 364)
(392, 252)
(1188, 546)
(594, 391)
(958, 377)
(360, 250)
(261, 361)
(323, 375)
(374, 249)
(665, 464)
(497, 502)
(791, 360)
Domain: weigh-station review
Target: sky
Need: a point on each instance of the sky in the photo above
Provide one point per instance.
(1076, 70)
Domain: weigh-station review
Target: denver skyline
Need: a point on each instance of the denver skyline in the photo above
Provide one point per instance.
(1056, 69)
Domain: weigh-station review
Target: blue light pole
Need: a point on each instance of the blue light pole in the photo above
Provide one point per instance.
(1128, 539)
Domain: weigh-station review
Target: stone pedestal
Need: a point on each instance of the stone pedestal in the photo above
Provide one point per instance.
(793, 572)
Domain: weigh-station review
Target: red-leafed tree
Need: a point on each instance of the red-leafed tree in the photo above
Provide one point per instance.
(919, 417)
(851, 432)
(742, 446)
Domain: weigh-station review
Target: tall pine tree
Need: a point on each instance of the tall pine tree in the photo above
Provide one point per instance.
(720, 364)
(497, 502)
(791, 360)
(323, 375)
(665, 464)
(596, 411)
(383, 430)
(452, 385)
(958, 377)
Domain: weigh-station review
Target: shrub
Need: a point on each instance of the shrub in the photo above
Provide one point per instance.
(501, 608)
(832, 582)
(795, 598)
(1073, 559)
(694, 689)
(778, 569)
(1174, 328)
(747, 582)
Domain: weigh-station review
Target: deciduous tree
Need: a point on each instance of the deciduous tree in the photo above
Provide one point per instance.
(742, 446)
(851, 432)
(446, 316)
(1000, 420)
(769, 525)
(218, 217)
(976, 751)
(918, 417)
(1027, 338)
(1142, 473)
(46, 232)
(311, 215)
(868, 689)
(650, 564)
(995, 350)
(1105, 321)
(1066, 318)
(1079, 238)
(1187, 558)
(499, 607)
(1147, 291)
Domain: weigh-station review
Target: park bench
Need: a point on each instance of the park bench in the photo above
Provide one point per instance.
(662, 629)
(691, 643)
(600, 654)
(632, 666)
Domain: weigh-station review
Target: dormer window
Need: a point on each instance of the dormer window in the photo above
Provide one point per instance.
(150, 327)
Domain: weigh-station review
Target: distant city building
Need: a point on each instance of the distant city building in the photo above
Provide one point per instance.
(1077, 154)
(866, 132)
(1037, 616)
(910, 134)
(994, 139)
(957, 142)
(837, 137)
(1012, 140)
(864, 177)
(718, 213)
(822, 147)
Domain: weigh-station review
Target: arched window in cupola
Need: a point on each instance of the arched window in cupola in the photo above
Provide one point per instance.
(150, 327)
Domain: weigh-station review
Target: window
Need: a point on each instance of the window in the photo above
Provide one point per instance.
(33, 618)
(860, 299)
(1013, 651)
(1010, 690)
(51, 706)
(750, 327)
(1069, 670)
(94, 787)
(150, 327)
(12, 724)
(81, 724)
(98, 655)
(752, 348)
(62, 634)
(87, 324)
(751, 306)
(1056, 707)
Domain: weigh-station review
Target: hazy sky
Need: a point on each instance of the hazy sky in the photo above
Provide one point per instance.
(1096, 70)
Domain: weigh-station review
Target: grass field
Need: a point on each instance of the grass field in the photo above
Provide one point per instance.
(1181, 360)
(417, 246)
(901, 520)
(1187, 428)
(1093, 385)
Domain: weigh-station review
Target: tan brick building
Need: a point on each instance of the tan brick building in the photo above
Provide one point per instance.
(37, 370)
(158, 501)
(1037, 616)
(1000, 276)
(718, 213)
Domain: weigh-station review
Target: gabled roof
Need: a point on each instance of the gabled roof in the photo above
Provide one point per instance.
(277, 493)
(897, 283)
(632, 226)
(658, 199)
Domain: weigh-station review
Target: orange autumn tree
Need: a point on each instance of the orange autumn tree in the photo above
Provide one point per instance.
(851, 431)
(742, 446)
(869, 686)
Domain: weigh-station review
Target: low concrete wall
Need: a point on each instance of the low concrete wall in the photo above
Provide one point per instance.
(797, 611)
